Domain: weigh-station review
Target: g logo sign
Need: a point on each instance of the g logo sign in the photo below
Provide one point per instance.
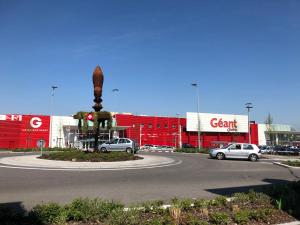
(35, 122)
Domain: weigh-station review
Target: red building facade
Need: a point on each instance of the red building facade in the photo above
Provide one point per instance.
(23, 131)
(166, 131)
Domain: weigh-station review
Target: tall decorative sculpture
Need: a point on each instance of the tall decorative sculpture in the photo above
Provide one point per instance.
(99, 118)
(98, 79)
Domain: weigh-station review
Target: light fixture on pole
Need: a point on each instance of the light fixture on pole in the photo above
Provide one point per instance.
(115, 90)
(198, 116)
(249, 106)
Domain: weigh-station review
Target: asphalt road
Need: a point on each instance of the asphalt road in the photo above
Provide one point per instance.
(197, 176)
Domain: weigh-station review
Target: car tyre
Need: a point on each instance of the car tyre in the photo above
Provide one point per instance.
(128, 150)
(103, 149)
(220, 156)
(253, 157)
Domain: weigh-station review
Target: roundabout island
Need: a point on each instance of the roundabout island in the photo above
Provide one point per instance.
(34, 162)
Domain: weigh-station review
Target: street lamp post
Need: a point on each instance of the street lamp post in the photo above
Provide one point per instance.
(52, 111)
(198, 116)
(248, 107)
(178, 130)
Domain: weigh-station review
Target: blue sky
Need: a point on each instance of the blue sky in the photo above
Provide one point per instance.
(238, 52)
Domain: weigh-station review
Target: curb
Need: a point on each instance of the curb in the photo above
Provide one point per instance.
(286, 166)
(290, 223)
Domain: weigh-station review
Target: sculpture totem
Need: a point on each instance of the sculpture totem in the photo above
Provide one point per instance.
(98, 79)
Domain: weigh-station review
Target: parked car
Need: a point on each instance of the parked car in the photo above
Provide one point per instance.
(266, 149)
(237, 151)
(286, 150)
(119, 144)
(155, 147)
(146, 147)
(186, 145)
(167, 148)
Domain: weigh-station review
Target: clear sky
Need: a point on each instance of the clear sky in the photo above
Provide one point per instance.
(237, 51)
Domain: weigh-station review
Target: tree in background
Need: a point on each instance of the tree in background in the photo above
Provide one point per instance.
(269, 122)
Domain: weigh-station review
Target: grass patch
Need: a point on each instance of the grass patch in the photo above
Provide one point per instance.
(295, 163)
(80, 156)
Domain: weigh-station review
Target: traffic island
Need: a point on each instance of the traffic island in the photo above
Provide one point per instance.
(34, 162)
(80, 156)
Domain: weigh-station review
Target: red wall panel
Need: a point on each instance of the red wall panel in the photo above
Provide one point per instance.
(23, 131)
(164, 131)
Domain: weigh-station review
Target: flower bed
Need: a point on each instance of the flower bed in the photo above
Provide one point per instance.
(250, 208)
(80, 156)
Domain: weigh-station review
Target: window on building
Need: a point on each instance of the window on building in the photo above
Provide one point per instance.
(149, 125)
(142, 125)
(158, 125)
(166, 125)
(173, 126)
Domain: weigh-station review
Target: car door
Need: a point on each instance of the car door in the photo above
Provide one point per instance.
(113, 146)
(122, 144)
(234, 151)
(247, 150)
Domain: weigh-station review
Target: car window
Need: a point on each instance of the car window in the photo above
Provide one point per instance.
(127, 141)
(247, 147)
(235, 147)
(121, 141)
(115, 141)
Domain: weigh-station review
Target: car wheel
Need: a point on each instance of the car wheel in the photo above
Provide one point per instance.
(220, 156)
(103, 149)
(128, 150)
(253, 158)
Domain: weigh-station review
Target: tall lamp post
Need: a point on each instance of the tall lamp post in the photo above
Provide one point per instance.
(52, 111)
(198, 116)
(248, 107)
(179, 133)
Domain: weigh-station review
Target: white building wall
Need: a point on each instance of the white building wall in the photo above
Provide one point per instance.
(262, 128)
(58, 137)
(262, 139)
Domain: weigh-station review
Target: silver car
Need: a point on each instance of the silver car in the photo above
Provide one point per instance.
(237, 151)
(119, 144)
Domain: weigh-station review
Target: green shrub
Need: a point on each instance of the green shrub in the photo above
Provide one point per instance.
(186, 204)
(153, 206)
(91, 210)
(193, 220)
(218, 201)
(295, 163)
(121, 217)
(256, 198)
(219, 218)
(261, 214)
(49, 213)
(201, 203)
(241, 217)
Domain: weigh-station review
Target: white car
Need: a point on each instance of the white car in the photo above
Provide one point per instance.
(237, 151)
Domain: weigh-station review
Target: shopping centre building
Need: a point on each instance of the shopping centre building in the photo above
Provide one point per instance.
(24, 131)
